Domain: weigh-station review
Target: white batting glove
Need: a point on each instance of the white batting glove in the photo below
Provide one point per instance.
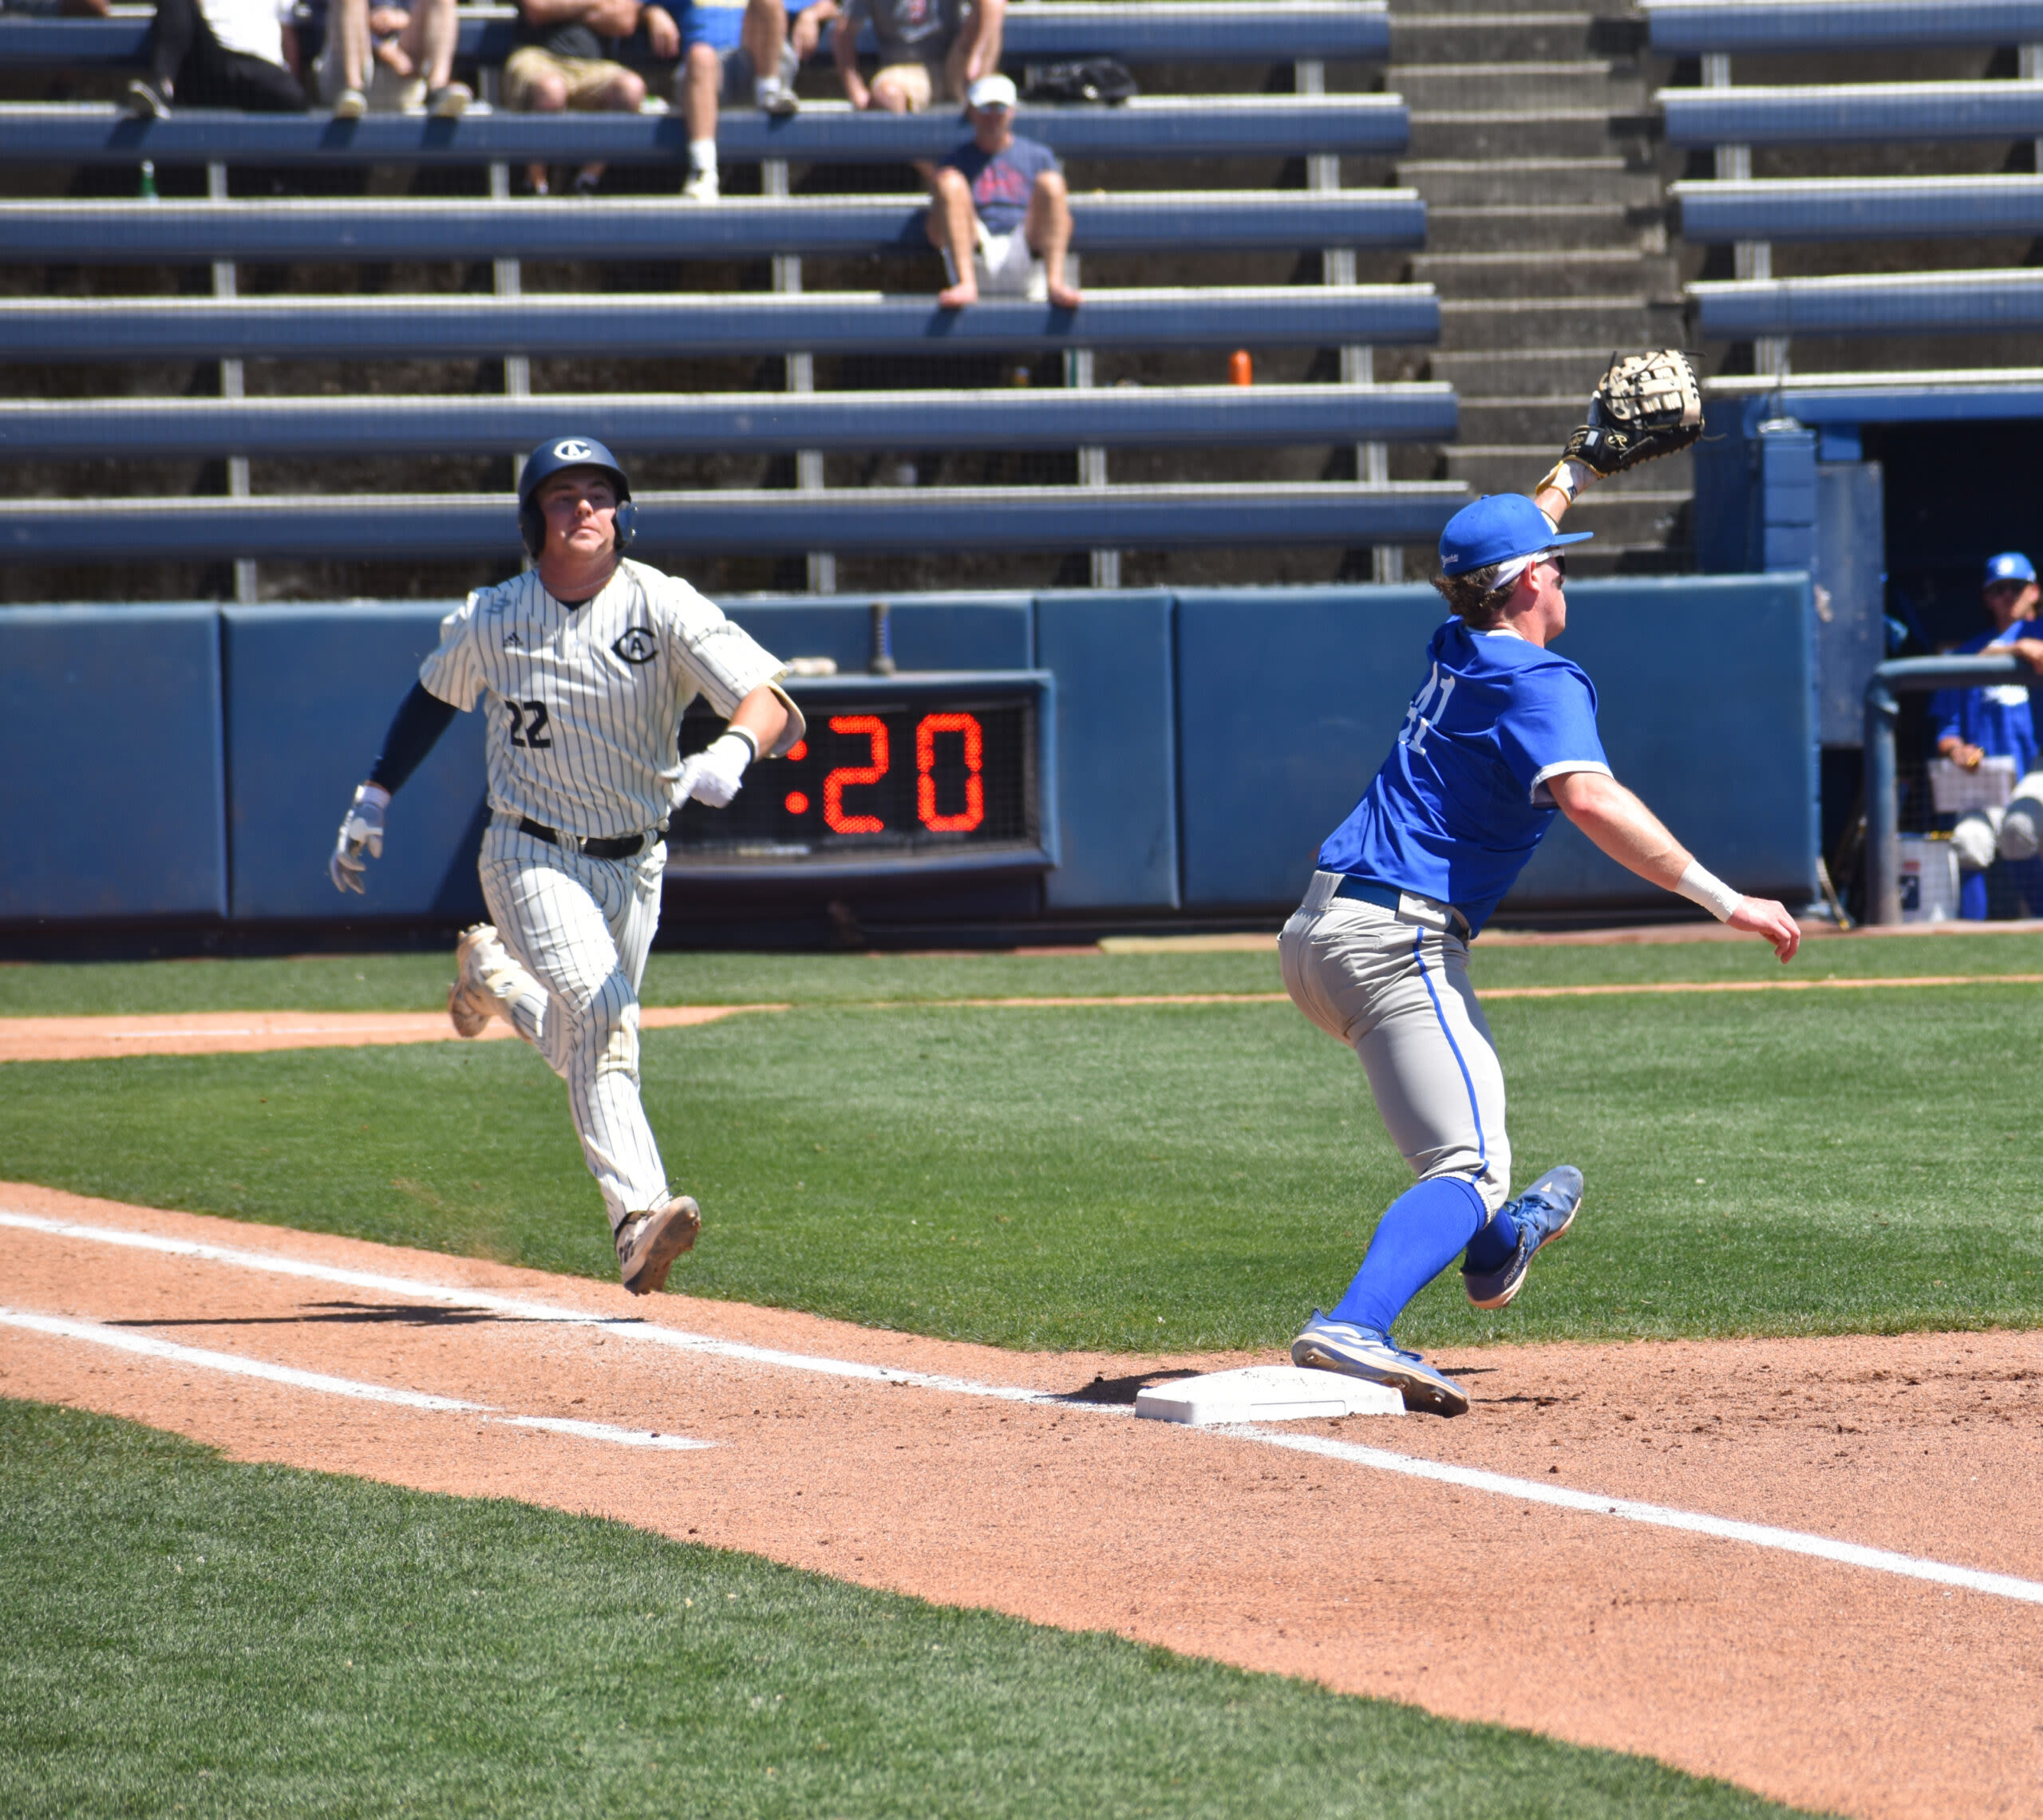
(362, 831)
(713, 775)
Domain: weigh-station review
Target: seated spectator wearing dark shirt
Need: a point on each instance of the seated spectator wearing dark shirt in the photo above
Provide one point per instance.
(220, 53)
(1972, 725)
(391, 60)
(928, 49)
(564, 60)
(999, 206)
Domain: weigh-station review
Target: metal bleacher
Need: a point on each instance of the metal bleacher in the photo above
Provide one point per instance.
(793, 326)
(1828, 120)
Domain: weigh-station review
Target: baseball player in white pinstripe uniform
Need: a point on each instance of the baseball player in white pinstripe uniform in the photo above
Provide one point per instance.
(584, 667)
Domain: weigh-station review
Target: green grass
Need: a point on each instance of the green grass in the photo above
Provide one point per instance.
(1160, 1178)
(187, 1636)
(419, 982)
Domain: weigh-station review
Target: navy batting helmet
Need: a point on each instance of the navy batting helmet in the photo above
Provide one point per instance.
(549, 458)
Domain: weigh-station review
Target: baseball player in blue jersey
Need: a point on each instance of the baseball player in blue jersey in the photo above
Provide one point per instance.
(1500, 737)
(1972, 725)
(583, 666)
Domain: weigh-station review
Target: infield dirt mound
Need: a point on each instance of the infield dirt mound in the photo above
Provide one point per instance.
(1823, 1684)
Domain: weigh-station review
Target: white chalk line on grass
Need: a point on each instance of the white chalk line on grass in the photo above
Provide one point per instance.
(97, 1333)
(1379, 1460)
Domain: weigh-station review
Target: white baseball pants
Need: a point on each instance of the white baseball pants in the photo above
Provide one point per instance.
(1397, 992)
(582, 928)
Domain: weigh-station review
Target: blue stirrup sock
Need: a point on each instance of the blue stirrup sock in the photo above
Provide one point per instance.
(1972, 897)
(1496, 1244)
(1418, 1236)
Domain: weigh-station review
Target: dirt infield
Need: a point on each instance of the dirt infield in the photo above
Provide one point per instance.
(1017, 1481)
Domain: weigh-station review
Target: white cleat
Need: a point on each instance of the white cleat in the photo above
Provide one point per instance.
(648, 1243)
(482, 963)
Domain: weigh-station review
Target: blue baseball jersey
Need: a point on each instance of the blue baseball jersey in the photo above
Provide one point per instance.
(1998, 720)
(1462, 800)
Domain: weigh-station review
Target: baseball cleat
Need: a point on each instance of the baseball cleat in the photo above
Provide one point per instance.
(471, 1003)
(647, 1244)
(1545, 1211)
(1362, 1353)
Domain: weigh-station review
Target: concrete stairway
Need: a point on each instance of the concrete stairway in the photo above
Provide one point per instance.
(1547, 239)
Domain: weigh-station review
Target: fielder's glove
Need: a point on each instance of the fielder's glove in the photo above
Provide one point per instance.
(362, 831)
(713, 775)
(1647, 405)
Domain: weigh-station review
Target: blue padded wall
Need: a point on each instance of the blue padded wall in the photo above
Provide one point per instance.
(110, 731)
(1706, 701)
(1116, 781)
(1288, 700)
(929, 632)
(309, 693)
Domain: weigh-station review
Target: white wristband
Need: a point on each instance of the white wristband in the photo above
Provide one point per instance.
(743, 733)
(374, 793)
(1700, 886)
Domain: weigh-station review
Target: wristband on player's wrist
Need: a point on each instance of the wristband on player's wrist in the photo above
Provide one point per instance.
(1567, 477)
(1700, 885)
(744, 735)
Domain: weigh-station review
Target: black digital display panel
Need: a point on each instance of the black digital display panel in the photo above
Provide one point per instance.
(904, 773)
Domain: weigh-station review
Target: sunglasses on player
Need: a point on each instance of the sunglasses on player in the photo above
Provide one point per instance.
(1558, 564)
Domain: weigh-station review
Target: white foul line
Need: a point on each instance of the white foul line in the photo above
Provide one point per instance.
(630, 1325)
(1527, 1491)
(1660, 1516)
(99, 1334)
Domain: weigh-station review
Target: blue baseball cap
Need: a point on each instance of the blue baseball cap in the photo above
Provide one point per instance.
(1497, 527)
(2009, 565)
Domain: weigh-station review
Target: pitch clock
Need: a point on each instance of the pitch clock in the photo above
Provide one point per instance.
(926, 773)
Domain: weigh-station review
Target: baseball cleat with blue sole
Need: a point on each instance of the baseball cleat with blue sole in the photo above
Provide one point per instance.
(1362, 1353)
(1545, 1211)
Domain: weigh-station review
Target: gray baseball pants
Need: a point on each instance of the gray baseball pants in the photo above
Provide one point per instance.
(1394, 986)
(582, 928)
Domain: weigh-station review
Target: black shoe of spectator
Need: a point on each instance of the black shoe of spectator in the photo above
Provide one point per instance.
(587, 186)
(148, 99)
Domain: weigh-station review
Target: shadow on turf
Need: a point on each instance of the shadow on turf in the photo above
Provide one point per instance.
(401, 1313)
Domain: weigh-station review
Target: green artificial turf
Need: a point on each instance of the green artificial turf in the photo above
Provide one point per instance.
(419, 982)
(187, 1636)
(1158, 1177)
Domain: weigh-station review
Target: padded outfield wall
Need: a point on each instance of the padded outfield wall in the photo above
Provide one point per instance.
(185, 764)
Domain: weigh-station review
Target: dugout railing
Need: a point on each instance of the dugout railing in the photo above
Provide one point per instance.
(1907, 676)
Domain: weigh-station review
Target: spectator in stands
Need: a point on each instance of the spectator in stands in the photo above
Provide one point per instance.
(734, 50)
(928, 49)
(390, 59)
(1972, 725)
(220, 54)
(56, 9)
(999, 214)
(565, 59)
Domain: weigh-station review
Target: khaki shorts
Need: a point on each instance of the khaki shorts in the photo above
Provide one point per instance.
(586, 77)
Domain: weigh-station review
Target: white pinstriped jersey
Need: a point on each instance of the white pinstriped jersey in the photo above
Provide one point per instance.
(584, 704)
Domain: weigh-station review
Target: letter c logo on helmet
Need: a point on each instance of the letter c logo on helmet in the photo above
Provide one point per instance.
(572, 450)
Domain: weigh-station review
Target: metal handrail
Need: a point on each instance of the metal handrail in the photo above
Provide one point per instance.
(1907, 675)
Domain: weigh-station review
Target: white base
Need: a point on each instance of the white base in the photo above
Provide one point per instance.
(1266, 1393)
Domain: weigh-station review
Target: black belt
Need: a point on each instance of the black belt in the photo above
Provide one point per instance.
(623, 847)
(1389, 897)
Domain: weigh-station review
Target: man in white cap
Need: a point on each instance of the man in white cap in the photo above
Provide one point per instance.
(999, 212)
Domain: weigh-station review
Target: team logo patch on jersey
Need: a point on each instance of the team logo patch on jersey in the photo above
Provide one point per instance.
(637, 646)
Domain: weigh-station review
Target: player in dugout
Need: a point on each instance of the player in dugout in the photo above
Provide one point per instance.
(583, 666)
(1499, 739)
(1972, 725)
